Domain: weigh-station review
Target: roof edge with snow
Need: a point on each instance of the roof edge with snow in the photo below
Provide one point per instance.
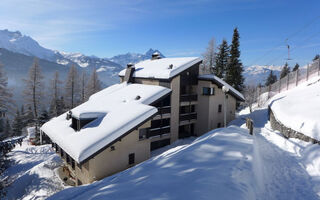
(218, 81)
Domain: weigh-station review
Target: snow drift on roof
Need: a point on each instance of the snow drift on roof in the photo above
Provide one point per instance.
(161, 69)
(109, 106)
(218, 80)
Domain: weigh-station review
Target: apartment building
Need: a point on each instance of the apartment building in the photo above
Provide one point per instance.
(157, 102)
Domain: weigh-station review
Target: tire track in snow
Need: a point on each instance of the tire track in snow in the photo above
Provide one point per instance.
(279, 174)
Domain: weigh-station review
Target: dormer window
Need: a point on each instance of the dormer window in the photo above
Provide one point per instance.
(85, 118)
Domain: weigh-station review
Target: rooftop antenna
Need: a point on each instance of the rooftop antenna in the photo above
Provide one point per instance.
(288, 46)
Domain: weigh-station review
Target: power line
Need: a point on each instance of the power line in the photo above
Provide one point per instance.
(290, 36)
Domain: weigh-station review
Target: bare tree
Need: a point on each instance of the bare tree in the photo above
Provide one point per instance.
(94, 84)
(83, 89)
(34, 88)
(55, 88)
(5, 93)
(250, 95)
(209, 57)
(72, 88)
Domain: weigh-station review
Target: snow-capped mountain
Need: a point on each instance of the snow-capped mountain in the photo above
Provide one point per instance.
(256, 74)
(124, 59)
(18, 43)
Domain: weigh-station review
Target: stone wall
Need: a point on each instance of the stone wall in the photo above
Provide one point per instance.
(288, 132)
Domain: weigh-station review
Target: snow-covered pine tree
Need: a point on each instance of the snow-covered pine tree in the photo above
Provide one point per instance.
(209, 58)
(56, 94)
(234, 69)
(285, 70)
(83, 85)
(17, 124)
(94, 84)
(271, 79)
(5, 93)
(222, 59)
(34, 88)
(72, 88)
(296, 67)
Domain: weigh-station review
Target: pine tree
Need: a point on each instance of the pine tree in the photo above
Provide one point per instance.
(56, 94)
(5, 94)
(234, 69)
(209, 58)
(7, 128)
(17, 124)
(285, 70)
(27, 116)
(72, 88)
(34, 88)
(44, 117)
(316, 57)
(271, 79)
(94, 84)
(222, 59)
(296, 67)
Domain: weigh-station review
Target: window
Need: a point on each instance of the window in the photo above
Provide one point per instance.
(220, 108)
(219, 125)
(143, 133)
(131, 158)
(73, 164)
(207, 91)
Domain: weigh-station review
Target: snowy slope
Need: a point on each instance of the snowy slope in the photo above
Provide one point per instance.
(208, 168)
(299, 108)
(32, 173)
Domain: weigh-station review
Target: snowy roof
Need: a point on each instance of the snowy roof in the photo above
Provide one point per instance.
(118, 108)
(220, 82)
(163, 68)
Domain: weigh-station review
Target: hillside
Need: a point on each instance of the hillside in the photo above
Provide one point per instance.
(299, 108)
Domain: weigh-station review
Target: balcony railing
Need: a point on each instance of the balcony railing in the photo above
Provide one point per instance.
(188, 116)
(158, 131)
(188, 97)
(164, 110)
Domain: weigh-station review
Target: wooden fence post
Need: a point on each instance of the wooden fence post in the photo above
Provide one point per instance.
(297, 75)
(318, 67)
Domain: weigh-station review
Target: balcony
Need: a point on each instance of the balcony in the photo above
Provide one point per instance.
(187, 118)
(188, 97)
(163, 112)
(158, 131)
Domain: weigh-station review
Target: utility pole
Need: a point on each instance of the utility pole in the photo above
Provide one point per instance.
(225, 90)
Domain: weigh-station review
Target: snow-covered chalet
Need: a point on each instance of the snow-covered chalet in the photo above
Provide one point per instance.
(157, 102)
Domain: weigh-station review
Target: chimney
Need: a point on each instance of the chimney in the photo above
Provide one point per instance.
(128, 77)
(155, 56)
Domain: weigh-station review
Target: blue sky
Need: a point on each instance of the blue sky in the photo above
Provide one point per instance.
(177, 28)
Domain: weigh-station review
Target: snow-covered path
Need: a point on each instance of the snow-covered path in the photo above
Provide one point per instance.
(279, 173)
(32, 172)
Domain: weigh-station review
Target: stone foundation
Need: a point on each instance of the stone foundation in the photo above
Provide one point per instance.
(288, 132)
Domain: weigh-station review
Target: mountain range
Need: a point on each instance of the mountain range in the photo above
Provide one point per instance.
(17, 52)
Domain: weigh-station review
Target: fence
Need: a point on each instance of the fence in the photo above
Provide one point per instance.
(292, 80)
